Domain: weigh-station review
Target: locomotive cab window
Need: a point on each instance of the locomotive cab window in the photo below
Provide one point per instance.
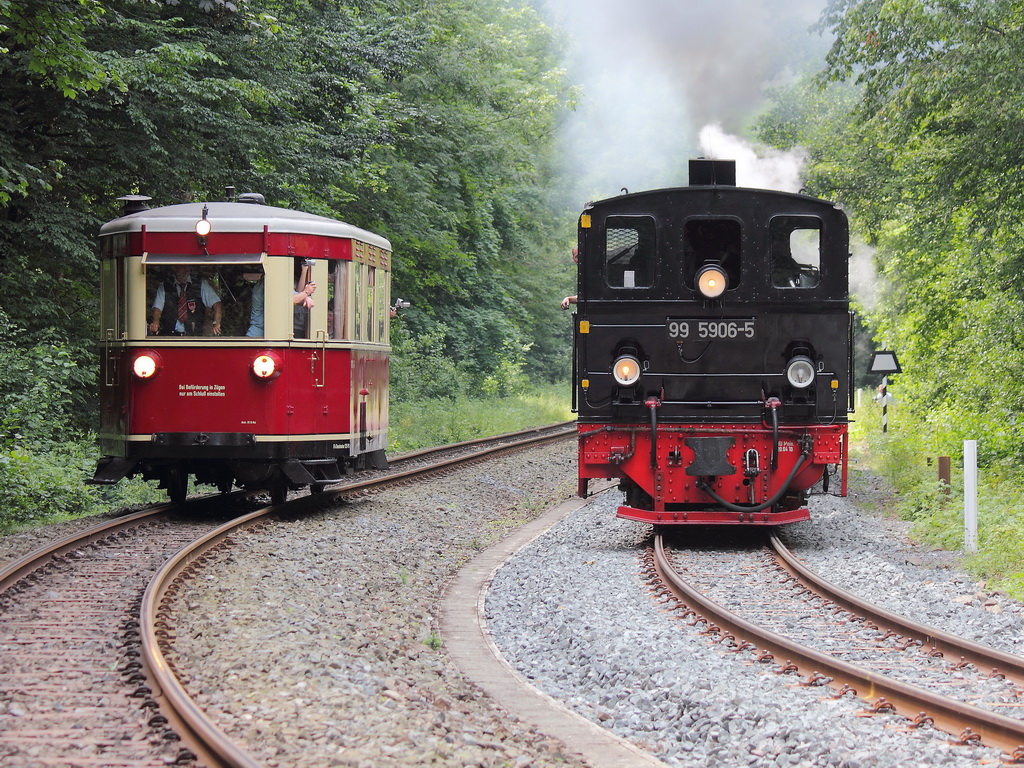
(712, 242)
(796, 251)
(630, 249)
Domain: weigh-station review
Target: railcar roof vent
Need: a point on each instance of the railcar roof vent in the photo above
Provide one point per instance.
(252, 197)
(134, 203)
(711, 173)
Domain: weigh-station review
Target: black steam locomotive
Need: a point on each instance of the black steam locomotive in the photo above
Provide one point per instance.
(713, 350)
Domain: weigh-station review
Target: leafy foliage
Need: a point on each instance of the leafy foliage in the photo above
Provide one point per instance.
(930, 164)
(427, 122)
(915, 126)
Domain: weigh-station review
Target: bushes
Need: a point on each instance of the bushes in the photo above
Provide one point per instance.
(45, 453)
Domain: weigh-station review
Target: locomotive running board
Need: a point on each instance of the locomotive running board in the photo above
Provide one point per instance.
(714, 517)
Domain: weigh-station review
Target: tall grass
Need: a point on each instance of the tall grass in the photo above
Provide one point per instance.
(906, 458)
(452, 420)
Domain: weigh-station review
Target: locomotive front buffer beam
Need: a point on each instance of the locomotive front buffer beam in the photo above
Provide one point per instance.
(714, 474)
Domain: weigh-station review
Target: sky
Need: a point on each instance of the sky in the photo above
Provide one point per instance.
(667, 80)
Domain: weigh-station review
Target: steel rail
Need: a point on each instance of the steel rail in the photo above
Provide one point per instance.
(949, 715)
(981, 656)
(33, 561)
(560, 429)
(185, 716)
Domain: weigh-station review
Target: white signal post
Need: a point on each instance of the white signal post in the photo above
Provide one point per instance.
(971, 496)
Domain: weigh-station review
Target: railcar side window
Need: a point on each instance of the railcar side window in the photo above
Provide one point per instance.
(796, 251)
(712, 241)
(337, 306)
(630, 248)
(301, 326)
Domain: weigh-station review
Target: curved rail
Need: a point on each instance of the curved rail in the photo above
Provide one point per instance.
(981, 656)
(33, 561)
(952, 716)
(212, 745)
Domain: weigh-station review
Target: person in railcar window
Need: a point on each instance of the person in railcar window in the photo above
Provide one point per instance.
(180, 305)
(302, 298)
(303, 301)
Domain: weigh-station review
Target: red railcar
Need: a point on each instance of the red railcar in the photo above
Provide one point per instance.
(241, 344)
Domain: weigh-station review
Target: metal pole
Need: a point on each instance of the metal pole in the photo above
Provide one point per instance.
(971, 495)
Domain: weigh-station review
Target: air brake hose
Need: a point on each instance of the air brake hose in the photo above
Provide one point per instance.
(760, 507)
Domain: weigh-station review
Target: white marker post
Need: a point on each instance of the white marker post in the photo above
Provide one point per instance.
(971, 495)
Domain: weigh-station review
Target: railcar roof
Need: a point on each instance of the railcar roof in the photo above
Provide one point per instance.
(240, 217)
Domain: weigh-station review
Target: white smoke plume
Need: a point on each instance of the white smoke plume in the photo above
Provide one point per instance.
(763, 168)
(653, 72)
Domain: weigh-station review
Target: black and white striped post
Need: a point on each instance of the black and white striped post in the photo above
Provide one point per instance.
(884, 362)
(885, 404)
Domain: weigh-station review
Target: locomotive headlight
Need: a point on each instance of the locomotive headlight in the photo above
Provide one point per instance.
(266, 367)
(800, 372)
(145, 366)
(626, 370)
(711, 281)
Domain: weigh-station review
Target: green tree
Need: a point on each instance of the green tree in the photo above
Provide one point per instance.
(930, 164)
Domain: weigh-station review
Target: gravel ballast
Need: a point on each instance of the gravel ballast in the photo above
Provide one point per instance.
(315, 641)
(571, 613)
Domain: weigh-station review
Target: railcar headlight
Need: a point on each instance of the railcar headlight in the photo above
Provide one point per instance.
(146, 365)
(266, 367)
(800, 372)
(711, 281)
(626, 370)
(203, 226)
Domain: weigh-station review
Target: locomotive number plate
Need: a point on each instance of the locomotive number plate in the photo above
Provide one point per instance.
(705, 329)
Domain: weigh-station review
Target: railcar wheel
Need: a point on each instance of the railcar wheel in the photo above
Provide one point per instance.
(176, 480)
(278, 489)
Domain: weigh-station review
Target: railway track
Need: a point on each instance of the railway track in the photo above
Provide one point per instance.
(84, 625)
(762, 599)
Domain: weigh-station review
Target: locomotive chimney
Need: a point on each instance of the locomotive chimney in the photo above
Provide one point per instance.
(712, 173)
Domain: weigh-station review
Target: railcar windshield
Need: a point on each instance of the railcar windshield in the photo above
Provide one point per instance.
(796, 251)
(186, 299)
